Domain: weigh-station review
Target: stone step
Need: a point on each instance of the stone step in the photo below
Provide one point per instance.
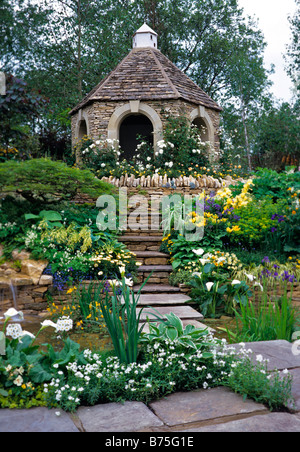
(154, 274)
(152, 257)
(139, 238)
(164, 299)
(157, 289)
(183, 312)
(155, 269)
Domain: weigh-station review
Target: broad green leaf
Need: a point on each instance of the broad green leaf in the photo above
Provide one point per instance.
(172, 333)
(51, 215)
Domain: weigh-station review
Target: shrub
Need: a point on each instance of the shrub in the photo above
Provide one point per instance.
(48, 181)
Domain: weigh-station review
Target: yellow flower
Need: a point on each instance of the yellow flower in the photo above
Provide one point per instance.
(71, 290)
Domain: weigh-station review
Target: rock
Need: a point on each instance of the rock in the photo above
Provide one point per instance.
(34, 269)
(46, 280)
(20, 255)
(22, 280)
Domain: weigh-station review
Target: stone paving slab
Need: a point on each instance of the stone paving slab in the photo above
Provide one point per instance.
(279, 353)
(267, 423)
(36, 420)
(203, 405)
(117, 417)
(183, 312)
(163, 299)
(296, 388)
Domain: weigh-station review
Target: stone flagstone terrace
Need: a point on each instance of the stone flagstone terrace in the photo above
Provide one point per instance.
(212, 410)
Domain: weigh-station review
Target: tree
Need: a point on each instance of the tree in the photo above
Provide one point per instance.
(278, 138)
(20, 110)
(293, 51)
(248, 92)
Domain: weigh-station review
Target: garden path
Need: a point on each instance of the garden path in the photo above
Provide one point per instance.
(155, 267)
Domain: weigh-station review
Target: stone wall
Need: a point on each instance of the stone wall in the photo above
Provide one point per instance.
(99, 114)
(23, 285)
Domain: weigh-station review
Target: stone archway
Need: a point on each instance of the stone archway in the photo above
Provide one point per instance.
(202, 120)
(132, 127)
(139, 109)
(82, 126)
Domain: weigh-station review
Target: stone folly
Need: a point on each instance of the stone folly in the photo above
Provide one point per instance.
(136, 97)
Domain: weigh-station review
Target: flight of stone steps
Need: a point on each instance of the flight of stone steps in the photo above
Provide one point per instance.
(156, 268)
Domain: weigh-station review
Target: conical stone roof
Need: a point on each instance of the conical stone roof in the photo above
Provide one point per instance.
(146, 74)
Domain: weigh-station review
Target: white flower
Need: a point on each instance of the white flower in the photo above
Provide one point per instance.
(235, 282)
(18, 381)
(14, 330)
(113, 283)
(209, 286)
(259, 358)
(64, 324)
(199, 252)
(199, 274)
(47, 323)
(259, 285)
(103, 165)
(129, 282)
(122, 271)
(250, 277)
(27, 333)
(13, 313)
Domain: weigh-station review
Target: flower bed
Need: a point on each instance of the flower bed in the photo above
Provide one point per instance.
(175, 360)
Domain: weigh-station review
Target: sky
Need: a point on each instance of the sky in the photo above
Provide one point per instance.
(272, 17)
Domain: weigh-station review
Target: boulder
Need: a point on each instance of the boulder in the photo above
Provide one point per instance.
(33, 269)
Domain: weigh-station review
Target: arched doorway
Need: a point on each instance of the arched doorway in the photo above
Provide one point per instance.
(202, 127)
(82, 129)
(131, 128)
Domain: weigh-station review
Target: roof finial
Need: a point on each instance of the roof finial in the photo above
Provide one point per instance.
(145, 37)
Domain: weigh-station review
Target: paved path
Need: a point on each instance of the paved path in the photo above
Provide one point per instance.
(213, 410)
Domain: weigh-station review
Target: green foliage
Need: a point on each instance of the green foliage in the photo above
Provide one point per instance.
(19, 108)
(269, 319)
(172, 330)
(100, 157)
(214, 292)
(254, 380)
(122, 321)
(277, 139)
(270, 183)
(43, 179)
